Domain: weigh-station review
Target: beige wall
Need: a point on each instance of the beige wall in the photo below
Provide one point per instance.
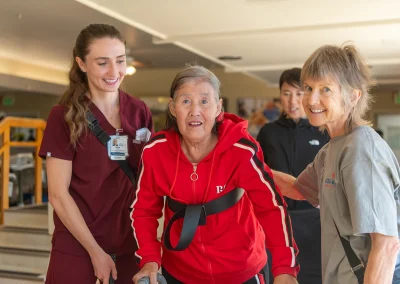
(383, 103)
(157, 83)
(30, 104)
(237, 85)
(154, 82)
(234, 85)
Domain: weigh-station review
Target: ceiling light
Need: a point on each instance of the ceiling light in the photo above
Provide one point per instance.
(130, 70)
(229, 57)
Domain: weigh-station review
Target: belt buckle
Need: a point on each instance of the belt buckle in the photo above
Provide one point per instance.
(203, 216)
(93, 124)
(357, 267)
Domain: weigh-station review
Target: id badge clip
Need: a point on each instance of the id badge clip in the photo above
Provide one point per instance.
(117, 146)
(142, 135)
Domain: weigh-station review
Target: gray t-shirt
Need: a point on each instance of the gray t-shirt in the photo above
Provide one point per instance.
(355, 179)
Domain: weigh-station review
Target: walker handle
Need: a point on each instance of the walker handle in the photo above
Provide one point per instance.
(146, 280)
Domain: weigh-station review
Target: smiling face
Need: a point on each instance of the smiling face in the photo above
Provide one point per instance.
(291, 98)
(195, 108)
(105, 65)
(323, 104)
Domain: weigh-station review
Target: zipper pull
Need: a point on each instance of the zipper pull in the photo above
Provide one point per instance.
(194, 175)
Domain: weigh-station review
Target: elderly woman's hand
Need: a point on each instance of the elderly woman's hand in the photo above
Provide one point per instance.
(285, 279)
(150, 270)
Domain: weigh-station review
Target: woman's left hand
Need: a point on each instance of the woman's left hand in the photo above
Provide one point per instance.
(285, 279)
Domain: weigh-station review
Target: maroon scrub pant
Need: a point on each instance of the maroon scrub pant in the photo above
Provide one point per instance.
(66, 268)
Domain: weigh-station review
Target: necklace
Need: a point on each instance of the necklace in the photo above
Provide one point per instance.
(194, 176)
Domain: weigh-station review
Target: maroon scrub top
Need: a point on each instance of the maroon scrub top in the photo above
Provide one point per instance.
(101, 190)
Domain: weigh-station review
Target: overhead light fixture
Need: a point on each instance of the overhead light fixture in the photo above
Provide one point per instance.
(130, 70)
(229, 57)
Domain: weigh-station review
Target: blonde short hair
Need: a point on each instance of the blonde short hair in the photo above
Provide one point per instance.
(349, 69)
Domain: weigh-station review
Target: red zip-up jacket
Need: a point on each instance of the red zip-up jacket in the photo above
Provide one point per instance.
(230, 248)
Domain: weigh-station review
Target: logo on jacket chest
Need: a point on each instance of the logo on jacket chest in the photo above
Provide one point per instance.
(220, 188)
(314, 142)
(330, 182)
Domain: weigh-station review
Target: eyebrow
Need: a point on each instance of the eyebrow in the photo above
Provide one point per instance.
(202, 94)
(325, 84)
(105, 58)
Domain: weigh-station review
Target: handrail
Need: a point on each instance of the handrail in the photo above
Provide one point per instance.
(5, 125)
(12, 121)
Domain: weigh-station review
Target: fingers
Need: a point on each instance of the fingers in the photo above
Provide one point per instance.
(114, 271)
(106, 279)
(153, 278)
(104, 275)
(138, 276)
(148, 270)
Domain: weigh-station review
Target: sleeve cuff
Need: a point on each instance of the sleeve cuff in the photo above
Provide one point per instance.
(285, 270)
(42, 154)
(143, 261)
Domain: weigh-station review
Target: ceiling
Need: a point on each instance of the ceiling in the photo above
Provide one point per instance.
(44, 32)
(10, 84)
(269, 35)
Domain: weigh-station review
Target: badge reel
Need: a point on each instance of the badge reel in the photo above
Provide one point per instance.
(118, 146)
(142, 135)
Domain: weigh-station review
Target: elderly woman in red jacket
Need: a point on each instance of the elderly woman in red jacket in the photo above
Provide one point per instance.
(222, 206)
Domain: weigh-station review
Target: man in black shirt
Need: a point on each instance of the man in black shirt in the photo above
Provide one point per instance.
(289, 144)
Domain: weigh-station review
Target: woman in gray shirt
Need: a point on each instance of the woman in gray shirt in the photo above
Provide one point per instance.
(355, 178)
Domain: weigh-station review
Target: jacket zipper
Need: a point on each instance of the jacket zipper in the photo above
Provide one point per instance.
(292, 166)
(194, 176)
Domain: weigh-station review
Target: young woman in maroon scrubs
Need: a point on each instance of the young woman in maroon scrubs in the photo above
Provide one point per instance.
(90, 193)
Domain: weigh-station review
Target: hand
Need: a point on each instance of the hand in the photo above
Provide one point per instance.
(285, 183)
(103, 266)
(150, 270)
(285, 279)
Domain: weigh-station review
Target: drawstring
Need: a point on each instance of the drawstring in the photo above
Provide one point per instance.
(176, 172)
(209, 177)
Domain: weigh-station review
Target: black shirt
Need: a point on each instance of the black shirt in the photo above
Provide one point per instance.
(289, 147)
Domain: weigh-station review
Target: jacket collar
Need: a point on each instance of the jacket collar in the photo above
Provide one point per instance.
(287, 122)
